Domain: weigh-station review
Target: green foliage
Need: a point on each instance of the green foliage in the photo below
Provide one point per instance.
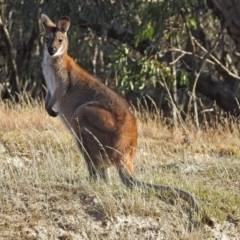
(160, 20)
(144, 33)
(183, 77)
(192, 23)
(133, 71)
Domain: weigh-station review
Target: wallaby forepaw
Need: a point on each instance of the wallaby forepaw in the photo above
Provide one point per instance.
(52, 113)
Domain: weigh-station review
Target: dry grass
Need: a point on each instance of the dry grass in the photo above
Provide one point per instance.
(45, 194)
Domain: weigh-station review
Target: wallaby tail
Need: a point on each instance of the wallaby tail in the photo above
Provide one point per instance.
(183, 194)
(128, 180)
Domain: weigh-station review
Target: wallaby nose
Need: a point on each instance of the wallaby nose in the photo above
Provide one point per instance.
(52, 50)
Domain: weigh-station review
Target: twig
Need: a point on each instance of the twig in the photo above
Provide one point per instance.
(183, 53)
(217, 61)
(194, 75)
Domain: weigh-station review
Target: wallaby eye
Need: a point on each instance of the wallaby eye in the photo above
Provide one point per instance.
(60, 40)
(46, 39)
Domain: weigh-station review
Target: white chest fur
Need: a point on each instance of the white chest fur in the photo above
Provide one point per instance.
(48, 72)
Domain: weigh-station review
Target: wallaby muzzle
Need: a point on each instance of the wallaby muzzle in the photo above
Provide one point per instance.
(52, 50)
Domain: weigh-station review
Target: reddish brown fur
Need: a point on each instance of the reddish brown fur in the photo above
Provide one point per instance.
(106, 119)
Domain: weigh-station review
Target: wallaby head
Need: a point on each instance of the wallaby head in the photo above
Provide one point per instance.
(55, 39)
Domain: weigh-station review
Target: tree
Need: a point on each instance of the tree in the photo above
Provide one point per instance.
(134, 46)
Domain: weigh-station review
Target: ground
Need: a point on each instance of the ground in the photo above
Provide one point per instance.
(46, 193)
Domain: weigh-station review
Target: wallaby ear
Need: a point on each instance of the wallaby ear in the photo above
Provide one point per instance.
(63, 24)
(46, 22)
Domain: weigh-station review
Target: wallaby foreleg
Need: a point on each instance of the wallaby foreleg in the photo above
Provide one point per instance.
(49, 103)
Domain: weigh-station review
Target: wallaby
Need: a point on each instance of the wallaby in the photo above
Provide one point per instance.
(100, 121)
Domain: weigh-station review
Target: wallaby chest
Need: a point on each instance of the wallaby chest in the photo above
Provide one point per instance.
(49, 73)
(56, 75)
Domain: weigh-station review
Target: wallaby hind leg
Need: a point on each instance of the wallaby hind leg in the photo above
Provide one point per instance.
(125, 169)
(94, 171)
(126, 176)
(93, 115)
(93, 128)
(104, 174)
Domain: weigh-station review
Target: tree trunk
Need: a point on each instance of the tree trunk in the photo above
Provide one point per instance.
(13, 79)
(228, 12)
